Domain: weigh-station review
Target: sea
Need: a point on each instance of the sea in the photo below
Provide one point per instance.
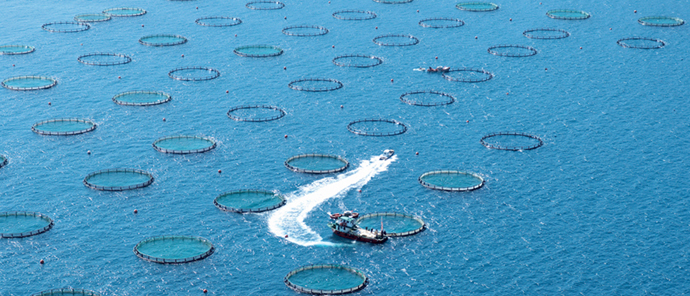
(600, 209)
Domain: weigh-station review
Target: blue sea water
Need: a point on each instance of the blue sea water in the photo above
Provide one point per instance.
(601, 208)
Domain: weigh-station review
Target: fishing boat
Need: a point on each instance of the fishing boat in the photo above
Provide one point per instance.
(345, 226)
(388, 153)
(438, 69)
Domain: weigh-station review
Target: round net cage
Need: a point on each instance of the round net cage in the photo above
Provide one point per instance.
(427, 98)
(354, 15)
(218, 21)
(441, 22)
(546, 33)
(16, 49)
(118, 179)
(511, 141)
(66, 292)
(661, 21)
(567, 14)
(124, 12)
(249, 201)
(92, 17)
(316, 164)
(141, 98)
(23, 224)
(63, 127)
(265, 5)
(258, 51)
(357, 61)
(641, 43)
(305, 31)
(477, 6)
(451, 180)
(395, 224)
(315, 84)
(467, 75)
(393, 1)
(326, 279)
(184, 144)
(3, 161)
(174, 249)
(104, 59)
(162, 40)
(29, 83)
(194, 74)
(256, 113)
(396, 40)
(66, 27)
(513, 51)
(377, 127)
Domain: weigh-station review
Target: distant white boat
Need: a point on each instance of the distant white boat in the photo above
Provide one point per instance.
(388, 153)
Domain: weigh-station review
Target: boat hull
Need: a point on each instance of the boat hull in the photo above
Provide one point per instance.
(359, 238)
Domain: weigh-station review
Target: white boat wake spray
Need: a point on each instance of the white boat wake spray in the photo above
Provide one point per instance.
(289, 219)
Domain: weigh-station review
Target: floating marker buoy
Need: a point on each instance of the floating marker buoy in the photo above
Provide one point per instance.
(219, 171)
(142, 26)
(183, 56)
(475, 37)
(284, 68)
(163, 118)
(286, 236)
(198, 8)
(119, 77)
(286, 136)
(416, 153)
(391, 80)
(285, 17)
(359, 190)
(341, 106)
(82, 44)
(635, 11)
(610, 28)
(41, 261)
(580, 47)
(377, 28)
(235, 35)
(49, 103)
(511, 19)
(467, 121)
(135, 211)
(88, 152)
(506, 94)
(227, 91)
(205, 291)
(437, 58)
(546, 69)
(417, 10)
(12, 65)
(332, 46)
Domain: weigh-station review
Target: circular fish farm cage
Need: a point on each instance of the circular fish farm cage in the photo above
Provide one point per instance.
(118, 179)
(395, 224)
(305, 31)
(441, 22)
(470, 75)
(256, 113)
(477, 6)
(357, 61)
(66, 27)
(427, 98)
(194, 74)
(249, 201)
(546, 33)
(124, 12)
(174, 249)
(567, 14)
(316, 164)
(660, 21)
(92, 17)
(23, 224)
(377, 127)
(354, 15)
(184, 144)
(511, 141)
(451, 180)
(513, 51)
(162, 40)
(104, 59)
(326, 279)
(141, 98)
(396, 40)
(393, 1)
(3, 161)
(63, 127)
(67, 292)
(29, 83)
(265, 5)
(16, 49)
(641, 43)
(218, 21)
(315, 84)
(258, 51)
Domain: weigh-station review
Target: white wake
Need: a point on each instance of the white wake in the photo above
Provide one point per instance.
(289, 219)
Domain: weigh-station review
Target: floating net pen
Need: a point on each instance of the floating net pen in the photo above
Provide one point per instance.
(141, 98)
(265, 5)
(249, 201)
(451, 180)
(305, 31)
(470, 75)
(546, 33)
(23, 224)
(510, 50)
(24, 83)
(357, 61)
(477, 6)
(511, 141)
(326, 279)
(660, 21)
(104, 59)
(63, 127)
(396, 40)
(427, 98)
(174, 249)
(567, 14)
(316, 164)
(184, 144)
(256, 113)
(354, 15)
(218, 21)
(377, 127)
(641, 43)
(124, 12)
(67, 292)
(16, 49)
(92, 17)
(162, 40)
(441, 22)
(66, 27)
(395, 224)
(118, 179)
(194, 74)
(258, 51)
(315, 84)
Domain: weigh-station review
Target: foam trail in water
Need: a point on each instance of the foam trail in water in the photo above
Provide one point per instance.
(289, 219)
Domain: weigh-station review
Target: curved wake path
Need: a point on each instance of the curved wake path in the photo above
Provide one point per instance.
(289, 219)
